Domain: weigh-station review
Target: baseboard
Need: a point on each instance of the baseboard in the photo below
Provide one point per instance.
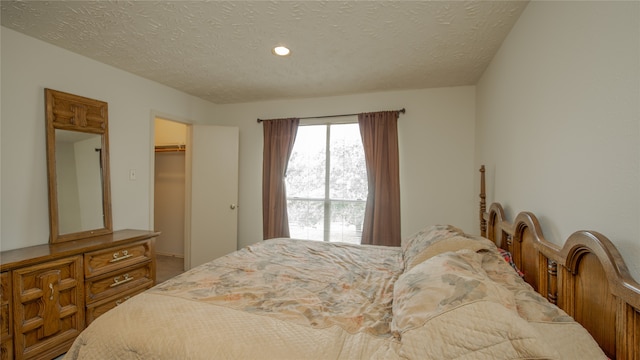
(181, 256)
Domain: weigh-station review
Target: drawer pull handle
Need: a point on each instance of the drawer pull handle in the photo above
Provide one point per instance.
(120, 301)
(118, 282)
(117, 257)
(51, 288)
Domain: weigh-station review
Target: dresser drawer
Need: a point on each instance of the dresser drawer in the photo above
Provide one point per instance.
(6, 349)
(118, 282)
(98, 308)
(115, 258)
(5, 311)
(48, 307)
(6, 340)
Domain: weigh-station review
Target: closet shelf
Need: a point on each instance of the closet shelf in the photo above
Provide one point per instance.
(170, 148)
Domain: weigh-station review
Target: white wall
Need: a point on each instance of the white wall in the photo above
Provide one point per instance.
(558, 121)
(28, 66)
(169, 133)
(436, 152)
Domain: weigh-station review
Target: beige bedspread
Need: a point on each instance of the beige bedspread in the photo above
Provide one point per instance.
(293, 299)
(311, 283)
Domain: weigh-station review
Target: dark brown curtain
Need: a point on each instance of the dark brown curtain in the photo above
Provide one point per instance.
(279, 137)
(379, 133)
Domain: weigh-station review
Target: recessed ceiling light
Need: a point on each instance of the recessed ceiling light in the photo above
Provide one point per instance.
(281, 51)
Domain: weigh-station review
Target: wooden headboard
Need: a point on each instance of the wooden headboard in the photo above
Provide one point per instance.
(586, 277)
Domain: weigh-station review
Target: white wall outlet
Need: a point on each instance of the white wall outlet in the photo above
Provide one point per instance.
(132, 174)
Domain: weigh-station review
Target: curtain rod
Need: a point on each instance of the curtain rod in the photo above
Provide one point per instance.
(402, 111)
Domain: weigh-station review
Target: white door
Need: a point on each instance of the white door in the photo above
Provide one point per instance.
(211, 193)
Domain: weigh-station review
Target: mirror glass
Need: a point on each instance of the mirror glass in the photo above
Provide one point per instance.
(77, 166)
(79, 181)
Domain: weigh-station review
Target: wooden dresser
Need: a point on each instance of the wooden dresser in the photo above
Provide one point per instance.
(50, 293)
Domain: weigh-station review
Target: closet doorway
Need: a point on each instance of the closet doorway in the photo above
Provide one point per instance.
(195, 191)
(169, 196)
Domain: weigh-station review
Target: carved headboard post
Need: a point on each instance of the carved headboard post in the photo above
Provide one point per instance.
(552, 291)
(483, 203)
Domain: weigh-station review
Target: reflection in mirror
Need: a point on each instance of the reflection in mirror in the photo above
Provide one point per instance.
(79, 181)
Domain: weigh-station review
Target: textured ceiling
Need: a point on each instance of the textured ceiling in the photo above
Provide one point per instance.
(221, 51)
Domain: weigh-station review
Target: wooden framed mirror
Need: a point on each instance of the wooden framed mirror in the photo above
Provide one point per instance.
(77, 166)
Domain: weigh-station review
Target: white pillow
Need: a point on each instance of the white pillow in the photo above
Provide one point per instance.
(452, 244)
(417, 242)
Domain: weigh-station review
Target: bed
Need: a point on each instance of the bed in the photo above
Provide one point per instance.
(444, 294)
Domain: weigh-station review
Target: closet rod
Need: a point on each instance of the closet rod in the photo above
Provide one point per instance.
(402, 111)
(170, 148)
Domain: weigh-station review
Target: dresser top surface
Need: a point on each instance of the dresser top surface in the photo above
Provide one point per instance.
(11, 259)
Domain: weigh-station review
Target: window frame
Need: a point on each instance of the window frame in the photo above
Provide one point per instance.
(327, 200)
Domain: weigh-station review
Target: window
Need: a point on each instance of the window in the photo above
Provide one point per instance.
(327, 183)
